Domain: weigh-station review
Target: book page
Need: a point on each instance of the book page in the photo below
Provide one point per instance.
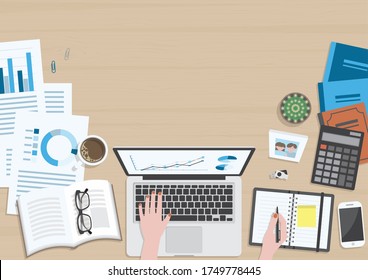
(265, 204)
(306, 220)
(325, 222)
(102, 211)
(44, 221)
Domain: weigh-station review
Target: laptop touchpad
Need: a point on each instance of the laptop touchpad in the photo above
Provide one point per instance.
(184, 240)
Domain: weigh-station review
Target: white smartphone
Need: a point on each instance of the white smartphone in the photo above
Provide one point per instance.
(351, 225)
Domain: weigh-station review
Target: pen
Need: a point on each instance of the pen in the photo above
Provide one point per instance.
(53, 66)
(277, 226)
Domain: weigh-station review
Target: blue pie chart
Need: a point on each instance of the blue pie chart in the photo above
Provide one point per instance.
(69, 157)
(222, 167)
(226, 160)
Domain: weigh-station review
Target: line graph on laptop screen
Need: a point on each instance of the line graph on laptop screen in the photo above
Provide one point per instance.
(184, 161)
(187, 165)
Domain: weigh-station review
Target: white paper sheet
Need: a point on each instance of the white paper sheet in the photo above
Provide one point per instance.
(58, 100)
(45, 154)
(5, 165)
(21, 89)
(21, 82)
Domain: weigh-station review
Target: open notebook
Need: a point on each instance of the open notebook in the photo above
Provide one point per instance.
(308, 216)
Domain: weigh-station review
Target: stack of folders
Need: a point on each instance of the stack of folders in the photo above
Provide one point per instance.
(343, 94)
(345, 80)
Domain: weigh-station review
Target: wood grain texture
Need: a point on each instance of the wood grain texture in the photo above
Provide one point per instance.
(189, 72)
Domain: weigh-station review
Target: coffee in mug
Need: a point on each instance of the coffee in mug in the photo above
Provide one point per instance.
(92, 150)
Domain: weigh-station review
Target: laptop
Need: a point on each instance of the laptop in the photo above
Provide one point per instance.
(202, 189)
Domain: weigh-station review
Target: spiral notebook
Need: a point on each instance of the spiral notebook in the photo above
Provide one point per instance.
(308, 216)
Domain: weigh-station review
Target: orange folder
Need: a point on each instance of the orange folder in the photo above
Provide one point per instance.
(353, 117)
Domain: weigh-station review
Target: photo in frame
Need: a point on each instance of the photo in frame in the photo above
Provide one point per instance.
(286, 146)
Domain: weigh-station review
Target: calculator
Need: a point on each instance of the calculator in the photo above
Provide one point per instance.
(337, 157)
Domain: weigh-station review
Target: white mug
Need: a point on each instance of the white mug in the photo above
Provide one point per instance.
(92, 151)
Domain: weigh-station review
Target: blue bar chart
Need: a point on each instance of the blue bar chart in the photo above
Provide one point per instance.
(16, 74)
(21, 81)
(2, 87)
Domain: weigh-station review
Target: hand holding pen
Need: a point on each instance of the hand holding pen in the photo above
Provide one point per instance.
(270, 245)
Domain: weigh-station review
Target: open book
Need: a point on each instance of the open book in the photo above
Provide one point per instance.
(308, 217)
(49, 216)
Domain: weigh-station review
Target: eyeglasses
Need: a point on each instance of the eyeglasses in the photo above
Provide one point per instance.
(82, 202)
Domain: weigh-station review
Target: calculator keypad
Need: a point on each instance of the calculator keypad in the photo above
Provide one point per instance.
(336, 166)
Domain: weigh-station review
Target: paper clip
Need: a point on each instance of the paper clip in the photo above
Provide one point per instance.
(53, 66)
(66, 55)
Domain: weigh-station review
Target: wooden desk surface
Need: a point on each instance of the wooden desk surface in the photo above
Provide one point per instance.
(190, 73)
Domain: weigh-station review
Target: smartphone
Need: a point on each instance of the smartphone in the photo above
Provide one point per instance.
(351, 225)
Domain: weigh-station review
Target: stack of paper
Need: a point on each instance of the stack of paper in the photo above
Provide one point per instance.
(38, 133)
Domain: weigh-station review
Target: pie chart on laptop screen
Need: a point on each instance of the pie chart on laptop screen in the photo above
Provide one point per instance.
(225, 162)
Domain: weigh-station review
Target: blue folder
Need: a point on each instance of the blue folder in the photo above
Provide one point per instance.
(346, 63)
(333, 95)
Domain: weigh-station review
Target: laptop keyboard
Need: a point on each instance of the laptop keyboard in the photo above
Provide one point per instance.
(193, 203)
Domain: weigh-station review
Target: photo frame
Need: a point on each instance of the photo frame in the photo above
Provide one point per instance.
(286, 146)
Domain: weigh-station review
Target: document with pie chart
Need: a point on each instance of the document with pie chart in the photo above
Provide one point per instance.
(46, 151)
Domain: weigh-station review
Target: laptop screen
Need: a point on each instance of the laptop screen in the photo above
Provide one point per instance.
(184, 161)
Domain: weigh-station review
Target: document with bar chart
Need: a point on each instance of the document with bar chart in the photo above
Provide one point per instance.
(45, 153)
(21, 81)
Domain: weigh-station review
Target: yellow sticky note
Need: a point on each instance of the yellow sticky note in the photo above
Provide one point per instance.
(306, 216)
